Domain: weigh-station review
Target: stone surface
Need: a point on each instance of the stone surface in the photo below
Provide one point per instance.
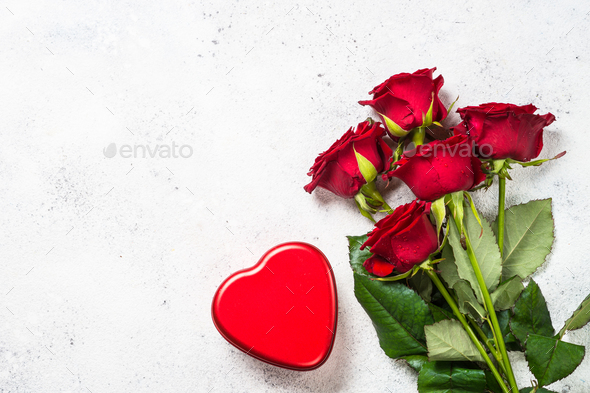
(109, 265)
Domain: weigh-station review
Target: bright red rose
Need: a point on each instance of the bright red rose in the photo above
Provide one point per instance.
(337, 169)
(406, 98)
(439, 168)
(401, 240)
(504, 130)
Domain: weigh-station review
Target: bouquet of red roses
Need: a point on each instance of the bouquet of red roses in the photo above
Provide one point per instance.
(442, 285)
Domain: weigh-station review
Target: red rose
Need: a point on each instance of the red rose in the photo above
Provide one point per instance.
(504, 130)
(439, 168)
(337, 169)
(401, 240)
(404, 100)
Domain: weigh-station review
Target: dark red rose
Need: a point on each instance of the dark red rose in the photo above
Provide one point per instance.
(504, 130)
(439, 168)
(406, 98)
(337, 169)
(401, 240)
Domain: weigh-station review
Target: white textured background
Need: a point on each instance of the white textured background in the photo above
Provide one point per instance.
(126, 253)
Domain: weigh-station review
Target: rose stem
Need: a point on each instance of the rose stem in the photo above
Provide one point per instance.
(490, 307)
(501, 202)
(434, 277)
(485, 340)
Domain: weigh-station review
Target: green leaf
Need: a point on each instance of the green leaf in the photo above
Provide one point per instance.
(357, 256)
(579, 318)
(366, 167)
(540, 390)
(422, 284)
(447, 340)
(398, 314)
(485, 249)
(439, 313)
(467, 301)
(416, 361)
(450, 377)
(551, 359)
(528, 236)
(447, 267)
(506, 294)
(491, 383)
(531, 315)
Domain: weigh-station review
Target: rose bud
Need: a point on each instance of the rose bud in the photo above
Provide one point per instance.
(504, 130)
(439, 168)
(401, 240)
(353, 161)
(406, 101)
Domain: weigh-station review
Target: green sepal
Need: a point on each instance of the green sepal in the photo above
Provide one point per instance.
(439, 211)
(425, 265)
(457, 209)
(396, 277)
(498, 165)
(369, 190)
(474, 210)
(427, 118)
(366, 168)
(369, 200)
(397, 153)
(452, 105)
(536, 162)
(394, 128)
(363, 207)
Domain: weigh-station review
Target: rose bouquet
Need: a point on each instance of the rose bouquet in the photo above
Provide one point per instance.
(444, 287)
